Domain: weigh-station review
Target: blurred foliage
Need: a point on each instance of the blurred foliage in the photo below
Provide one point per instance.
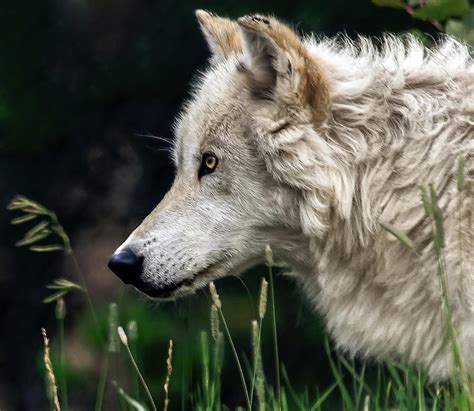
(463, 29)
(441, 9)
(455, 17)
(61, 63)
(429, 9)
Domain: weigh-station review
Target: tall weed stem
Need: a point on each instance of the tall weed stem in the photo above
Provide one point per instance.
(270, 263)
(218, 304)
(123, 337)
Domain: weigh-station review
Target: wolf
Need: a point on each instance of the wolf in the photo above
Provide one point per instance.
(315, 146)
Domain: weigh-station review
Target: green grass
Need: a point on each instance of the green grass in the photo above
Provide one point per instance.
(355, 386)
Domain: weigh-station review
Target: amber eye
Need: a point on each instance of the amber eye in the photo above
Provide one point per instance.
(208, 164)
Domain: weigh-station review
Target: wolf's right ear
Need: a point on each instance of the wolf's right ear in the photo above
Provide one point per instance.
(222, 34)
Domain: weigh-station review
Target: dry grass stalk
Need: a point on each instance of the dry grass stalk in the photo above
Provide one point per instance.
(113, 343)
(262, 306)
(169, 369)
(50, 378)
(399, 235)
(259, 376)
(217, 302)
(124, 339)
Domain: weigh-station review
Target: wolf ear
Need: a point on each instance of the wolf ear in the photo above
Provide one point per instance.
(280, 64)
(223, 35)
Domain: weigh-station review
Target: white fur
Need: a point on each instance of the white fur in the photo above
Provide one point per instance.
(400, 116)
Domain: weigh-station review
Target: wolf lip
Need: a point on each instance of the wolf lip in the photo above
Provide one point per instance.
(165, 290)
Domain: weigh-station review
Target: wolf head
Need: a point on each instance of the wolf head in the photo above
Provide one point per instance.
(244, 145)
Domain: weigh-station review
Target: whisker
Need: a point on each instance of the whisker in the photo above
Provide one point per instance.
(165, 139)
(249, 294)
(162, 149)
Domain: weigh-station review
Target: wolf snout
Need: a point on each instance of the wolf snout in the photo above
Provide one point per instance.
(126, 265)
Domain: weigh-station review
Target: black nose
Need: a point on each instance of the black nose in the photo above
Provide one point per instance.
(127, 265)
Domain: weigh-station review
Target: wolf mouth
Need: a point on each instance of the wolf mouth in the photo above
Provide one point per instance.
(167, 291)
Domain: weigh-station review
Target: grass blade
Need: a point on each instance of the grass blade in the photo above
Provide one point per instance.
(399, 235)
(134, 404)
(323, 397)
(55, 296)
(460, 174)
(46, 248)
(23, 219)
(346, 397)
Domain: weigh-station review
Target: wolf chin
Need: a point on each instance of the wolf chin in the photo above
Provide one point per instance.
(312, 146)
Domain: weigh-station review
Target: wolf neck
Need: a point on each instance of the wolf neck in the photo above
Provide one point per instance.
(387, 107)
(367, 162)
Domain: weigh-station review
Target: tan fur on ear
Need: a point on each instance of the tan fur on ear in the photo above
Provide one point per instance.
(312, 85)
(223, 35)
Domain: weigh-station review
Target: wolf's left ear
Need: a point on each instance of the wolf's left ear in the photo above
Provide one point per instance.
(281, 65)
(222, 34)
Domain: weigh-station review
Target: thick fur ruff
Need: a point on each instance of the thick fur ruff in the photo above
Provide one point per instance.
(320, 144)
(400, 116)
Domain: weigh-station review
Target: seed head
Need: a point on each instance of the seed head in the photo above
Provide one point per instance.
(269, 256)
(132, 329)
(169, 369)
(255, 332)
(122, 336)
(50, 377)
(214, 322)
(215, 297)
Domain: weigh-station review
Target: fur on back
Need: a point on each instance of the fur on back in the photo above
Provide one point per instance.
(400, 116)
